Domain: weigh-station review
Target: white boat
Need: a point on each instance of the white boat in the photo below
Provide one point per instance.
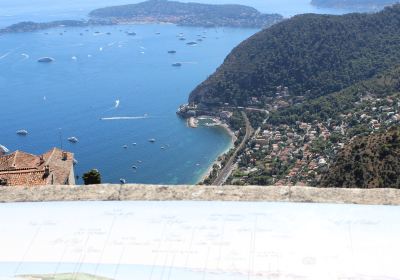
(125, 146)
(73, 140)
(46, 59)
(4, 149)
(134, 167)
(22, 132)
(152, 140)
(122, 181)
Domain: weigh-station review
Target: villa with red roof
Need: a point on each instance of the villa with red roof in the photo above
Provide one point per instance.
(56, 167)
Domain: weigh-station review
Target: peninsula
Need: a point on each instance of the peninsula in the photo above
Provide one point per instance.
(162, 11)
(364, 5)
(188, 14)
(30, 26)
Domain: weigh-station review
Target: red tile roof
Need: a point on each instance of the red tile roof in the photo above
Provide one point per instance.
(19, 160)
(24, 178)
(20, 168)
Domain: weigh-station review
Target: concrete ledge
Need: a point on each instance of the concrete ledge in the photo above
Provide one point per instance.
(199, 193)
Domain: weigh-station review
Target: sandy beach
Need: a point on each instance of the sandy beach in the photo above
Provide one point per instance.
(216, 161)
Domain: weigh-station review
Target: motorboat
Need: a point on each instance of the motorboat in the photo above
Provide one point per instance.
(46, 59)
(73, 140)
(22, 132)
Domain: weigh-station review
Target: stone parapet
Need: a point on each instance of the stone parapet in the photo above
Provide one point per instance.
(108, 192)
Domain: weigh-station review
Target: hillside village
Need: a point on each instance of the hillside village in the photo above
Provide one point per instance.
(286, 151)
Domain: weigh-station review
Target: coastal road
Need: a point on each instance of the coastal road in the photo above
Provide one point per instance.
(227, 170)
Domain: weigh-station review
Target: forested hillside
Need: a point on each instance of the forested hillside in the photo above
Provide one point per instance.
(331, 106)
(367, 162)
(188, 14)
(308, 141)
(312, 55)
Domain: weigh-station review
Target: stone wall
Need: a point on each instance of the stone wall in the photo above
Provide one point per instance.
(225, 193)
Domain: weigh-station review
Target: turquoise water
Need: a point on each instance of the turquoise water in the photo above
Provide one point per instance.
(91, 72)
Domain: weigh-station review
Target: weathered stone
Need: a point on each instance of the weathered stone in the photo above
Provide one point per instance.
(108, 192)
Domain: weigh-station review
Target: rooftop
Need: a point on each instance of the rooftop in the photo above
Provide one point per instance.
(23, 169)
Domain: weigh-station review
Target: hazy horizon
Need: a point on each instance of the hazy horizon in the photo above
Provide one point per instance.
(12, 11)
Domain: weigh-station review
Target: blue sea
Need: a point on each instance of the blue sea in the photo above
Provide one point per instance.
(101, 72)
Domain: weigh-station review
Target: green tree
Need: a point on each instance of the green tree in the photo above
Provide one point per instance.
(93, 177)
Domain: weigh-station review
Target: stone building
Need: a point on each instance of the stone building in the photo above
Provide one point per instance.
(56, 167)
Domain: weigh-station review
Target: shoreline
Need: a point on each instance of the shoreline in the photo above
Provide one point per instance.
(192, 122)
(233, 137)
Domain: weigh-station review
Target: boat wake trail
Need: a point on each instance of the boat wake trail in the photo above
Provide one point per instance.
(26, 56)
(5, 55)
(124, 118)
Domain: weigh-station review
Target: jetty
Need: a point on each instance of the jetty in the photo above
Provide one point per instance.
(192, 122)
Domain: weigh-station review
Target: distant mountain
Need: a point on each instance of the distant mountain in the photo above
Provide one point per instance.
(312, 55)
(354, 4)
(188, 14)
(367, 162)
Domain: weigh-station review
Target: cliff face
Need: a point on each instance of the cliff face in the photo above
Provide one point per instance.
(367, 162)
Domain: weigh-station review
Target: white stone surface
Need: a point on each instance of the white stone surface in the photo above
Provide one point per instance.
(216, 240)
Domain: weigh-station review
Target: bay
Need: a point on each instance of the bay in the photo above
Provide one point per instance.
(93, 71)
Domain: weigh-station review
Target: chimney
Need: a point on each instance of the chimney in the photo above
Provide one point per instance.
(64, 155)
(46, 171)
